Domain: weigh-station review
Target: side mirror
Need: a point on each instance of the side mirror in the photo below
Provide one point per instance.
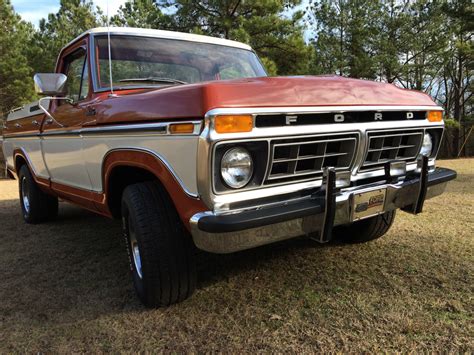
(50, 84)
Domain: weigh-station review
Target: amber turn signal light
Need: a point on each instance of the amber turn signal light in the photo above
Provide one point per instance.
(233, 123)
(180, 128)
(435, 116)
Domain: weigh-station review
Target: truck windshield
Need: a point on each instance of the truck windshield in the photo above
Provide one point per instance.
(145, 61)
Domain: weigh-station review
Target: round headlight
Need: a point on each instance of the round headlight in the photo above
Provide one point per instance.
(236, 167)
(427, 146)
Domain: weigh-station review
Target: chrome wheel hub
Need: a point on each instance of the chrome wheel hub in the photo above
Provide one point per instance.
(135, 250)
(25, 195)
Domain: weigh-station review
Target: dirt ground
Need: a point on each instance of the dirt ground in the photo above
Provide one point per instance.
(65, 287)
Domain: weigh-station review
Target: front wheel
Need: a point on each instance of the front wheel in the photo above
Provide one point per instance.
(36, 205)
(161, 251)
(365, 230)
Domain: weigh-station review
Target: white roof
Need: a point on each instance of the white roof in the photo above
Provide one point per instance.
(146, 32)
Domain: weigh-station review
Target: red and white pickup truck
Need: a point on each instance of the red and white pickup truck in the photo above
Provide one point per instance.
(189, 143)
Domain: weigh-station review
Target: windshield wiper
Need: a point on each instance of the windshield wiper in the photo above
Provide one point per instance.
(153, 79)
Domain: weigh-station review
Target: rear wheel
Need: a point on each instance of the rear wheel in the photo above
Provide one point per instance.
(161, 251)
(36, 205)
(365, 230)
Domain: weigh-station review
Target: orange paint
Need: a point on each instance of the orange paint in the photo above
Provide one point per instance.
(185, 205)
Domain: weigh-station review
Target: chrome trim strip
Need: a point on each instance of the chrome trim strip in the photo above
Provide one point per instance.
(20, 135)
(161, 128)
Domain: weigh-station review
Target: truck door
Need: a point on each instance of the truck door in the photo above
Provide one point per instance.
(61, 139)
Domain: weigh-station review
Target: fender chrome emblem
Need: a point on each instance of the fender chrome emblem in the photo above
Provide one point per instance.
(291, 119)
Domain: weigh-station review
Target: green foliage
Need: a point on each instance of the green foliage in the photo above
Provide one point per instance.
(346, 33)
(73, 18)
(269, 65)
(451, 123)
(15, 73)
(142, 14)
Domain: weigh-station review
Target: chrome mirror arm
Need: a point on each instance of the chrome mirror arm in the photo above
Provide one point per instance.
(47, 112)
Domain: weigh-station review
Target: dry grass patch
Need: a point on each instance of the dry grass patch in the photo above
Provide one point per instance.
(65, 287)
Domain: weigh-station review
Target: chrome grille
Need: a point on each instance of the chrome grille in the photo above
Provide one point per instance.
(389, 146)
(303, 158)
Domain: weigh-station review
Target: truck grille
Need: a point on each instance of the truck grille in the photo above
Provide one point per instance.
(303, 158)
(394, 145)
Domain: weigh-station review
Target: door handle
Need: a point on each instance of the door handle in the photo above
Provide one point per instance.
(90, 111)
(17, 125)
(35, 122)
(49, 121)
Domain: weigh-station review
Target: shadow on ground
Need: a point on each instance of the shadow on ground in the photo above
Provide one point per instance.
(79, 260)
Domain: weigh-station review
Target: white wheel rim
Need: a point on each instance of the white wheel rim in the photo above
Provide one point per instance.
(25, 195)
(137, 260)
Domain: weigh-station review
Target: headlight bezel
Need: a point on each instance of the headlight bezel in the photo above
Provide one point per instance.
(259, 152)
(437, 137)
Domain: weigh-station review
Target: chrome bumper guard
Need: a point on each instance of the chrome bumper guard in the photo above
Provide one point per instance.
(316, 214)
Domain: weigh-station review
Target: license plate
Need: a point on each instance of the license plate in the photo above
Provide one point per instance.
(368, 204)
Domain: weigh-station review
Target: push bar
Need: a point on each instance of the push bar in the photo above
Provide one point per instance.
(330, 205)
(417, 206)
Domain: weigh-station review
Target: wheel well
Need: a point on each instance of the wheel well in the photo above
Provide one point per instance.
(19, 162)
(119, 179)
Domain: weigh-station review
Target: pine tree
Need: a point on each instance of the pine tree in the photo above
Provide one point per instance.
(141, 14)
(73, 18)
(16, 84)
(345, 34)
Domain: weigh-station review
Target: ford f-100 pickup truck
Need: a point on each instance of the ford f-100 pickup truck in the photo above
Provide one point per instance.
(188, 141)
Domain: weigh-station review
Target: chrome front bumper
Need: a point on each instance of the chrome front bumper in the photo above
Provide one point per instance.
(314, 214)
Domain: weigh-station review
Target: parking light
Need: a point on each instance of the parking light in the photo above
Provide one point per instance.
(233, 123)
(435, 116)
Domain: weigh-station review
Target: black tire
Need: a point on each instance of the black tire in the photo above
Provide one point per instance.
(36, 205)
(365, 230)
(165, 248)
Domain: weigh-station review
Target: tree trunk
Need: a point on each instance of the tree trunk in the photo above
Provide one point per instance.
(458, 102)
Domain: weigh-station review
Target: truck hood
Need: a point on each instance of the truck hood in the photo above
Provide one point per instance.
(327, 90)
(194, 100)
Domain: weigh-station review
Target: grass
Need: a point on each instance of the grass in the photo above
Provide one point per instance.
(65, 287)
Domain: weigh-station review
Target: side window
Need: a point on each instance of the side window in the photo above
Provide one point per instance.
(77, 76)
(85, 82)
